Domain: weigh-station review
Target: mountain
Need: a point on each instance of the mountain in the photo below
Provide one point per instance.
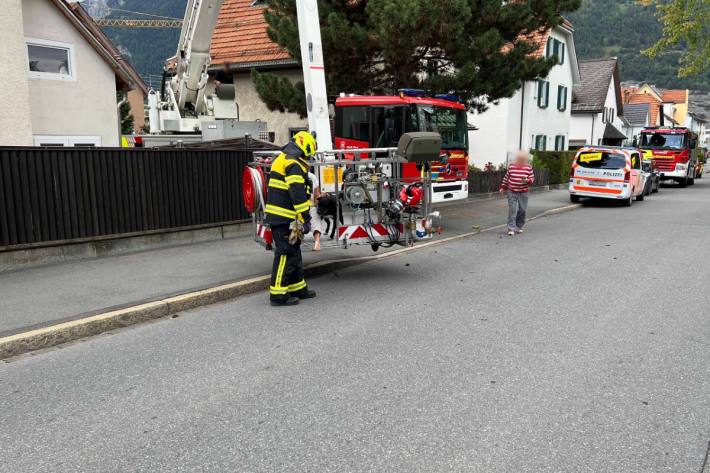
(603, 28)
(623, 28)
(146, 48)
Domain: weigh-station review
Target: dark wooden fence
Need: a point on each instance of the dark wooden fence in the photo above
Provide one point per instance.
(59, 194)
(481, 182)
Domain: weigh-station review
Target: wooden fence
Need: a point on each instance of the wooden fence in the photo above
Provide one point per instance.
(489, 181)
(68, 194)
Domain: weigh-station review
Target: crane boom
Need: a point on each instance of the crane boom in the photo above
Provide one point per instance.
(132, 23)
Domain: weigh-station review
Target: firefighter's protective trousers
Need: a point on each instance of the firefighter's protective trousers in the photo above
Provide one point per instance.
(287, 273)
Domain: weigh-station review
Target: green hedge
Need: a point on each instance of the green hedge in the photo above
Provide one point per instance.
(558, 162)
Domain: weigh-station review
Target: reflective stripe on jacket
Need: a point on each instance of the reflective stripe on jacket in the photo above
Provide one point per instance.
(289, 193)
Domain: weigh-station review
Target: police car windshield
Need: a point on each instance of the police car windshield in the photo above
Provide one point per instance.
(450, 123)
(601, 160)
(663, 140)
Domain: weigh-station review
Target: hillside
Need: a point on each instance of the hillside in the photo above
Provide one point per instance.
(622, 28)
(146, 49)
(604, 28)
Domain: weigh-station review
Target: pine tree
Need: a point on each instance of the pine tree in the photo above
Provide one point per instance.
(126, 119)
(473, 48)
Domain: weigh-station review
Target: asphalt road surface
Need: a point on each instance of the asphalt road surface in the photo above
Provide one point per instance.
(581, 346)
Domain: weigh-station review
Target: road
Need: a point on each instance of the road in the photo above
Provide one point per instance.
(581, 346)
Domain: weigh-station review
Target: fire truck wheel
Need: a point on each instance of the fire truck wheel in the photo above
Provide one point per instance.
(682, 182)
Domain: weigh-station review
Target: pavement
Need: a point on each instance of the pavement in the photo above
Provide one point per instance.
(45, 295)
(580, 346)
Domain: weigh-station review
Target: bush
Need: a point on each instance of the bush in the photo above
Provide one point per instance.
(557, 162)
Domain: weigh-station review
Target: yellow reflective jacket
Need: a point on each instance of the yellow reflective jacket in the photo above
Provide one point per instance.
(289, 193)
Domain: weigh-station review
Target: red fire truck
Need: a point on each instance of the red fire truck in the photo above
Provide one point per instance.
(674, 151)
(379, 122)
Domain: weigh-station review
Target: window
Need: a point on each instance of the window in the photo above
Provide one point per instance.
(543, 93)
(601, 160)
(608, 115)
(560, 143)
(50, 60)
(353, 123)
(561, 98)
(555, 47)
(541, 142)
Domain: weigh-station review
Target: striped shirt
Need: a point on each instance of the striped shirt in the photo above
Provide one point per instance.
(515, 178)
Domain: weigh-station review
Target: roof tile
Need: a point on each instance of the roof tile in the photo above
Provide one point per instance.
(240, 36)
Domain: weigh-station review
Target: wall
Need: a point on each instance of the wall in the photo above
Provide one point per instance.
(83, 107)
(581, 126)
(16, 118)
(135, 100)
(489, 143)
(252, 108)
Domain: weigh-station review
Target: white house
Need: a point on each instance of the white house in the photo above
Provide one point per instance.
(597, 105)
(60, 77)
(637, 116)
(538, 115)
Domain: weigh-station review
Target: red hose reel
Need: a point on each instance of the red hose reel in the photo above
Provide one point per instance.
(254, 189)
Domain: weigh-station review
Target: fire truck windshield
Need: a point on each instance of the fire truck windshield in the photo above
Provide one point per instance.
(450, 123)
(663, 140)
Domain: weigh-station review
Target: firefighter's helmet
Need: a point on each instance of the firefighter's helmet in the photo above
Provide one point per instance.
(305, 142)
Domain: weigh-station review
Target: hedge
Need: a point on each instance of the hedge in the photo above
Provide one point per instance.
(558, 162)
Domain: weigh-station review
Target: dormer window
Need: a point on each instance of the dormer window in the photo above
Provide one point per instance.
(555, 47)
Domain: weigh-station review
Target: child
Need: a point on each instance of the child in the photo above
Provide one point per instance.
(516, 182)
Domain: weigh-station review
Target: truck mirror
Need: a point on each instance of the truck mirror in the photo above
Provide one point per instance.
(693, 143)
(420, 146)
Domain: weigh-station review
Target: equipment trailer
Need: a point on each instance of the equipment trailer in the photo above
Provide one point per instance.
(374, 204)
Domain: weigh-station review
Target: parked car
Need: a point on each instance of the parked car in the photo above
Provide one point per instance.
(652, 175)
(607, 172)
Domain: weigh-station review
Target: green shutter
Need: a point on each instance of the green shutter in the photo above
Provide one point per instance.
(562, 53)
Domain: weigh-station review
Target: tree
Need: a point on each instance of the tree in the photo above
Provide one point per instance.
(685, 23)
(126, 118)
(479, 49)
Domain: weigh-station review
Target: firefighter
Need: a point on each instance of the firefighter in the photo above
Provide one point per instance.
(288, 214)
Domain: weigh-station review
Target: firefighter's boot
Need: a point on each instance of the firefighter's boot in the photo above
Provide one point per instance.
(284, 301)
(305, 294)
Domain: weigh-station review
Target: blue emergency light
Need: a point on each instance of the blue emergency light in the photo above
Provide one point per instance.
(449, 97)
(412, 92)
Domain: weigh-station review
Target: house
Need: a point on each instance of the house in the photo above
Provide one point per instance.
(61, 77)
(538, 115)
(637, 116)
(673, 103)
(240, 43)
(597, 105)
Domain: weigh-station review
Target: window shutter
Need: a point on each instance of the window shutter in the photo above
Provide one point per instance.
(562, 53)
(548, 47)
(547, 94)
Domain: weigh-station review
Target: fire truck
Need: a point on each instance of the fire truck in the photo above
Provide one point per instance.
(674, 149)
(380, 121)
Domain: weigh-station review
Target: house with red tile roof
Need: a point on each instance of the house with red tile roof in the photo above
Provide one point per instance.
(674, 103)
(61, 77)
(240, 43)
(538, 115)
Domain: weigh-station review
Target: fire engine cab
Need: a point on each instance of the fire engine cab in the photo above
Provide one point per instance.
(380, 121)
(673, 149)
